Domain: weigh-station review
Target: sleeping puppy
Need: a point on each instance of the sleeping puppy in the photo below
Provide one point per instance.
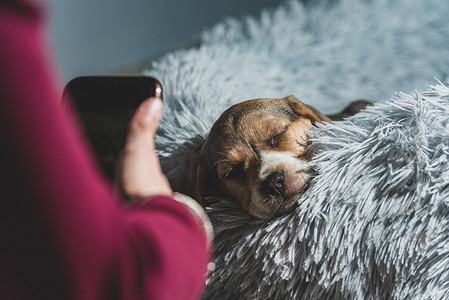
(257, 153)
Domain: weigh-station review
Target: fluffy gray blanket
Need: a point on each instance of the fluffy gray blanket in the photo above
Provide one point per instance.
(374, 223)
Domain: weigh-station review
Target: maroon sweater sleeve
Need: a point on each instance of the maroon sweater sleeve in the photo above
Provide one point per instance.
(63, 235)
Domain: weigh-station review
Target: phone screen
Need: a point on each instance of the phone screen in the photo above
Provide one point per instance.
(105, 106)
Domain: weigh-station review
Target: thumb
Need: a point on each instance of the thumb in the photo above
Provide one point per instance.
(143, 125)
(139, 173)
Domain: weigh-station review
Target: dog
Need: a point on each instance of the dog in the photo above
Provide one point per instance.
(257, 153)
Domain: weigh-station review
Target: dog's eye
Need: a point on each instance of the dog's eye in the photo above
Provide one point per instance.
(235, 172)
(275, 140)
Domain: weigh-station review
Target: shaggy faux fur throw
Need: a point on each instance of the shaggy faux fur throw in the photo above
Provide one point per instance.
(373, 225)
(374, 222)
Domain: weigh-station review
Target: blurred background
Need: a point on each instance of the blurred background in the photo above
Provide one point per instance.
(95, 37)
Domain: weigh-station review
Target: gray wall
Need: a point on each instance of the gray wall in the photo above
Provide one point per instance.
(106, 36)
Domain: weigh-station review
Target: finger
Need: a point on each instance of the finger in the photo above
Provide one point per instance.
(140, 174)
(143, 125)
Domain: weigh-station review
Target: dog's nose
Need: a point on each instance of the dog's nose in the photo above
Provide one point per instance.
(274, 184)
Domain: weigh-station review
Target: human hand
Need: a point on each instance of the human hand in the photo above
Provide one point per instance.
(139, 173)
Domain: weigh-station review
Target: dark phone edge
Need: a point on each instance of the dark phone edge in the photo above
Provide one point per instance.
(158, 90)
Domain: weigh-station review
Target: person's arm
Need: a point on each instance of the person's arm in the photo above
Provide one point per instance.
(62, 233)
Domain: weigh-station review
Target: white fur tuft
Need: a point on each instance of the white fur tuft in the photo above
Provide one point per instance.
(273, 161)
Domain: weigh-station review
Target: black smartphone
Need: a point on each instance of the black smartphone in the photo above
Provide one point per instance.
(104, 105)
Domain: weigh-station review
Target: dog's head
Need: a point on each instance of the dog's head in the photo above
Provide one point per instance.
(257, 153)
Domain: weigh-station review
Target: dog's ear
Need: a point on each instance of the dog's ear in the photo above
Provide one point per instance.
(191, 179)
(351, 110)
(202, 180)
(306, 110)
